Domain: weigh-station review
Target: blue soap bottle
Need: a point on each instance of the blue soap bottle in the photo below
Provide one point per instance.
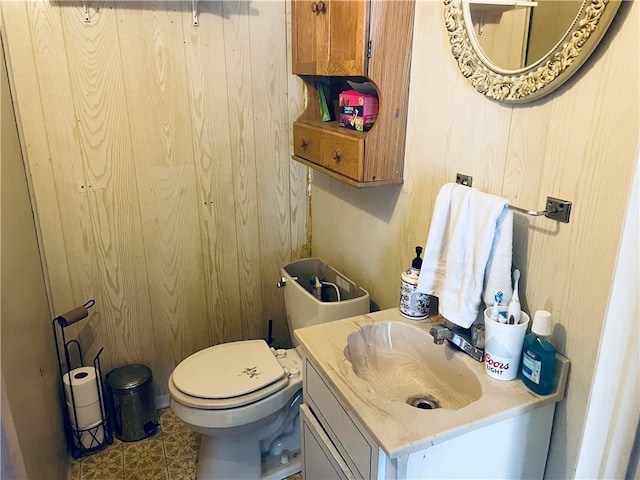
(539, 356)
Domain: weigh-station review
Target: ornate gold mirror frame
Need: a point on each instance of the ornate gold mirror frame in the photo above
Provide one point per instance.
(542, 77)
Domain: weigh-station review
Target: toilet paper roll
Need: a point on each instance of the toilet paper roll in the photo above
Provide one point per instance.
(86, 415)
(85, 387)
(88, 438)
(73, 316)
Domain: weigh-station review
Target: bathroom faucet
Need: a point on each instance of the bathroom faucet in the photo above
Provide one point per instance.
(469, 340)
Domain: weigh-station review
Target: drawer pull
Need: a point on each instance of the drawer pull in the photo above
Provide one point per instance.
(336, 156)
(303, 144)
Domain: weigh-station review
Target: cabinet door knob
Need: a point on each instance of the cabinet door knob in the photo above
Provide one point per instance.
(336, 156)
(321, 7)
(314, 7)
(303, 144)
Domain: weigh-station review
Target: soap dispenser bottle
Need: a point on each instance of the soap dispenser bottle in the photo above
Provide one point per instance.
(413, 304)
(539, 355)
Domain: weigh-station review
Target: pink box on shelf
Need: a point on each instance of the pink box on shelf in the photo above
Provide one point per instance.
(358, 111)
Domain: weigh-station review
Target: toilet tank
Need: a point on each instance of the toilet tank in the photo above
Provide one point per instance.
(302, 304)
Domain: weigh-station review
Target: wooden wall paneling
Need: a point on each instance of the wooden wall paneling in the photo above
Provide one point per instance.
(40, 169)
(161, 134)
(269, 69)
(243, 158)
(154, 67)
(29, 378)
(580, 143)
(170, 217)
(329, 208)
(206, 69)
(299, 201)
(116, 105)
(104, 133)
(300, 210)
(70, 181)
(464, 133)
(585, 153)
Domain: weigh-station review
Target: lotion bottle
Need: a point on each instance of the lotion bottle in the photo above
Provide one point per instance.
(413, 304)
(539, 356)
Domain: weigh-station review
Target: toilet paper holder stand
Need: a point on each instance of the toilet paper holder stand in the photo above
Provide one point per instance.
(82, 439)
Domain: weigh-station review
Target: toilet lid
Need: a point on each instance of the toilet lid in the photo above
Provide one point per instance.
(228, 370)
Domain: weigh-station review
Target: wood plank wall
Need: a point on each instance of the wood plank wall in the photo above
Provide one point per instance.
(159, 158)
(29, 382)
(158, 154)
(579, 144)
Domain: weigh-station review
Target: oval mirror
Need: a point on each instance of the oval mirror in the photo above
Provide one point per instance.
(516, 51)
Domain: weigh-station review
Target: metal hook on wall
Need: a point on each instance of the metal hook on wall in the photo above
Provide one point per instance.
(87, 17)
(194, 5)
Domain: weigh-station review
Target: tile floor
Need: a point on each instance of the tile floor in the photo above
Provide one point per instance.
(170, 454)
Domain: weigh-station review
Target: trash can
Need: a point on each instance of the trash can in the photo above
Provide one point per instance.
(134, 411)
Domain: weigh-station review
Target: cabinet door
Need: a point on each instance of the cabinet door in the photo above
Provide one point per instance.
(329, 37)
(345, 38)
(307, 24)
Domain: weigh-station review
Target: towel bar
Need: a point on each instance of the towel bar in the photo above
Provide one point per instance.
(557, 209)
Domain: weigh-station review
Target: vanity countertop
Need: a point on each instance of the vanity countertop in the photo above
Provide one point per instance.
(398, 428)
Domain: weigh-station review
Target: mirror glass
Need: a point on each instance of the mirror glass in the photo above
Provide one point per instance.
(517, 36)
(519, 50)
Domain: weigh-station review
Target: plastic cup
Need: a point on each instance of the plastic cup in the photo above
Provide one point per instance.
(503, 346)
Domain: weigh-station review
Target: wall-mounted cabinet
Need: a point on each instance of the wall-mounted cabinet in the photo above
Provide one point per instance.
(359, 40)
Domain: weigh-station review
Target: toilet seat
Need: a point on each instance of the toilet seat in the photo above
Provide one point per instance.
(228, 375)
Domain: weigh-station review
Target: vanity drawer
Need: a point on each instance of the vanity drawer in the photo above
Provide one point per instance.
(321, 460)
(344, 433)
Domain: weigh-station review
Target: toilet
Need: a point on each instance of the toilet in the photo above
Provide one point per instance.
(243, 397)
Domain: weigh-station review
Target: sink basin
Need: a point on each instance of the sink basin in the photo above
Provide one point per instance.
(401, 363)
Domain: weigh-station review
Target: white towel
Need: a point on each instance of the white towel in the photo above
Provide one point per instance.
(468, 253)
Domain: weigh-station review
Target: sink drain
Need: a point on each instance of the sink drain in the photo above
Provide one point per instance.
(423, 403)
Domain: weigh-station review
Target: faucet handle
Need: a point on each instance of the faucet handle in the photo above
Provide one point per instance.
(477, 335)
(438, 332)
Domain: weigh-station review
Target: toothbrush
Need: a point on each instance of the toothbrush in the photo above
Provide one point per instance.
(497, 300)
(514, 309)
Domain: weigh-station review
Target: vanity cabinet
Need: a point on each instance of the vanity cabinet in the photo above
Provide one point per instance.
(341, 41)
(335, 444)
